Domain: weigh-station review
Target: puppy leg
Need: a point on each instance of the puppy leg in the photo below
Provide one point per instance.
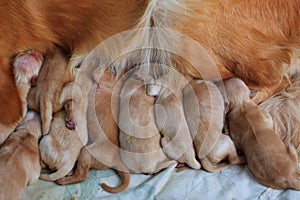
(81, 171)
(70, 98)
(70, 118)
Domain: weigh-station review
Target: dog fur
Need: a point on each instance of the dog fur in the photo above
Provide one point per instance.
(139, 137)
(26, 69)
(19, 158)
(38, 25)
(283, 107)
(61, 147)
(273, 162)
(219, 39)
(46, 98)
(204, 110)
(169, 117)
(103, 149)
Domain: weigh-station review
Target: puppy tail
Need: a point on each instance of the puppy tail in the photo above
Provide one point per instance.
(125, 178)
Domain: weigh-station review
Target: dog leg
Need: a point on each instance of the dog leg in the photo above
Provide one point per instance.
(81, 171)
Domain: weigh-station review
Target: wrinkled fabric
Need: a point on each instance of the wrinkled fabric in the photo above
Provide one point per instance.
(235, 182)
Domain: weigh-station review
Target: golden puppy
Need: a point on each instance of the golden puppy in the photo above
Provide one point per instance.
(61, 147)
(103, 149)
(204, 110)
(139, 137)
(215, 40)
(46, 98)
(41, 25)
(19, 158)
(26, 69)
(170, 119)
(272, 162)
(283, 107)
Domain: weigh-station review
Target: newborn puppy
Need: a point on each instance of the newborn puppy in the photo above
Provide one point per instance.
(19, 158)
(26, 68)
(139, 137)
(46, 99)
(103, 149)
(61, 147)
(204, 110)
(169, 117)
(272, 162)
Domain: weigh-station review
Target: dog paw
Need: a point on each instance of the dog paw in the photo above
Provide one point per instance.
(71, 124)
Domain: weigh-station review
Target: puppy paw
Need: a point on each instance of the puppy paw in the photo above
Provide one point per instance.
(71, 124)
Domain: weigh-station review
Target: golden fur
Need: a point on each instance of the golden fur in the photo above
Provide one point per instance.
(283, 107)
(76, 28)
(204, 111)
(273, 162)
(26, 67)
(139, 136)
(54, 89)
(19, 158)
(60, 148)
(169, 115)
(103, 149)
(218, 39)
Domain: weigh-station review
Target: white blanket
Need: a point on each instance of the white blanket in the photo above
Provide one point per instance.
(235, 182)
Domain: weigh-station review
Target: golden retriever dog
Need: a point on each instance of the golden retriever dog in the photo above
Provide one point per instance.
(273, 162)
(102, 151)
(204, 111)
(218, 39)
(41, 25)
(283, 107)
(19, 158)
(46, 98)
(177, 142)
(140, 139)
(26, 68)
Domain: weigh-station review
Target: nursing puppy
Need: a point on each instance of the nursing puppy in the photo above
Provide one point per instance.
(38, 25)
(215, 40)
(19, 158)
(204, 111)
(61, 147)
(272, 162)
(26, 68)
(46, 98)
(283, 107)
(169, 116)
(103, 149)
(139, 136)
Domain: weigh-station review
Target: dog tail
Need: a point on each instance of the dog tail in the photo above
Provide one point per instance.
(154, 37)
(125, 178)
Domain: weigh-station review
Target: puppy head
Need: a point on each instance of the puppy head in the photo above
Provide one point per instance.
(27, 66)
(236, 91)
